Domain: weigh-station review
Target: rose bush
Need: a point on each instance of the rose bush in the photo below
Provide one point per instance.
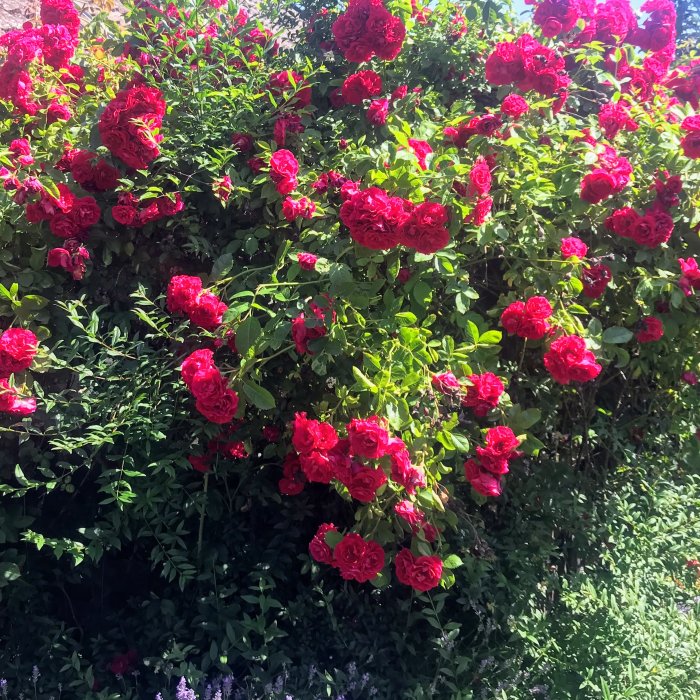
(385, 278)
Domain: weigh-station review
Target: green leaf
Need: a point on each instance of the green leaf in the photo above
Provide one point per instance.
(616, 335)
(452, 562)
(364, 380)
(222, 266)
(422, 293)
(247, 333)
(259, 396)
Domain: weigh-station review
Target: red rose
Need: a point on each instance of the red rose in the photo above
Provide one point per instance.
(307, 261)
(421, 150)
(445, 383)
(407, 510)
(377, 112)
(364, 483)
(361, 86)
(514, 106)
(309, 434)
(18, 347)
(505, 64)
(404, 564)
(573, 246)
(425, 228)
(595, 280)
(374, 218)
(556, 17)
(317, 466)
(243, 143)
(690, 144)
(85, 212)
(651, 330)
(482, 393)
(479, 178)
(568, 360)
(426, 573)
(368, 438)
(652, 229)
(206, 311)
(182, 292)
(358, 559)
(124, 214)
(64, 226)
(194, 363)
(402, 471)
(597, 186)
(480, 212)
(527, 320)
(482, 480)
(220, 408)
(623, 221)
(302, 207)
(318, 548)
(200, 463)
(280, 86)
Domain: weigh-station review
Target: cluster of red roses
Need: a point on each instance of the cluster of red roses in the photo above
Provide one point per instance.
(204, 309)
(528, 65)
(481, 393)
(92, 173)
(367, 29)
(567, 359)
(321, 457)
(215, 400)
(610, 177)
(130, 211)
(380, 221)
(53, 44)
(361, 560)
(18, 348)
(655, 226)
(129, 125)
(484, 471)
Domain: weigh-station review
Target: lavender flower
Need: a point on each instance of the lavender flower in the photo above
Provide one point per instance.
(227, 684)
(3, 687)
(208, 692)
(183, 692)
(218, 695)
(35, 674)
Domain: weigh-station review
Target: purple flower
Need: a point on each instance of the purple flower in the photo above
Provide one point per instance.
(183, 692)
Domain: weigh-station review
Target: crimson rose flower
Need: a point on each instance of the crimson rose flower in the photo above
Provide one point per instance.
(482, 393)
(568, 360)
(573, 246)
(18, 348)
(368, 437)
(425, 228)
(652, 329)
(358, 559)
(318, 548)
(361, 86)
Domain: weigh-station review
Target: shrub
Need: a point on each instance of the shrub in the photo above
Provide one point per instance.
(294, 330)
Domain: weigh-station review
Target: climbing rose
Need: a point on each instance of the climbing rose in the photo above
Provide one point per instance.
(556, 17)
(425, 228)
(514, 106)
(690, 275)
(284, 168)
(479, 178)
(364, 482)
(377, 112)
(573, 246)
(421, 150)
(358, 559)
(527, 319)
(361, 86)
(366, 29)
(18, 348)
(482, 393)
(445, 383)
(182, 292)
(318, 548)
(293, 478)
(307, 261)
(12, 402)
(310, 434)
(293, 208)
(482, 480)
(651, 330)
(368, 438)
(568, 360)
(374, 218)
(500, 446)
(595, 280)
(422, 573)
